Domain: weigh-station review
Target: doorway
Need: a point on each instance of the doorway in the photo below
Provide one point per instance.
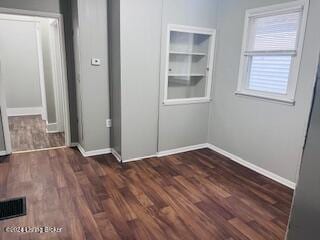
(33, 82)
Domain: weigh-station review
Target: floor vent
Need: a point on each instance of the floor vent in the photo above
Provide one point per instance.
(13, 208)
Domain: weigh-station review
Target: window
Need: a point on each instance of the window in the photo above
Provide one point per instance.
(271, 51)
(188, 65)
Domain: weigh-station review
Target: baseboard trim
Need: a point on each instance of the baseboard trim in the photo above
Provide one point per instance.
(116, 155)
(139, 158)
(253, 167)
(3, 153)
(181, 150)
(16, 112)
(94, 152)
(231, 156)
(73, 144)
(52, 128)
(168, 152)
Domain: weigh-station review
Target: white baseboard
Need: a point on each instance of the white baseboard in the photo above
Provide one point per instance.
(73, 144)
(44, 114)
(168, 152)
(139, 158)
(253, 167)
(94, 152)
(3, 153)
(231, 156)
(116, 155)
(52, 128)
(15, 112)
(181, 150)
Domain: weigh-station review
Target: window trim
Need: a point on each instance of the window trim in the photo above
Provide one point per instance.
(303, 6)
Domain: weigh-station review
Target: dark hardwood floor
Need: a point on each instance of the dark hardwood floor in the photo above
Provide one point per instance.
(194, 195)
(29, 133)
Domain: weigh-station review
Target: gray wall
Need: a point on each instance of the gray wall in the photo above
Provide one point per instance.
(267, 134)
(143, 46)
(93, 80)
(184, 125)
(140, 55)
(33, 5)
(21, 74)
(48, 69)
(304, 221)
(115, 72)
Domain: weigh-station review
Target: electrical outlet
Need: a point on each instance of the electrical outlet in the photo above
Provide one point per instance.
(109, 123)
(95, 62)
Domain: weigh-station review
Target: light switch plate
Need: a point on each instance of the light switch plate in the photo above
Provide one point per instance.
(95, 62)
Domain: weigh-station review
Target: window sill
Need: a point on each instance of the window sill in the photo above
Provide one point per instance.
(281, 100)
(186, 101)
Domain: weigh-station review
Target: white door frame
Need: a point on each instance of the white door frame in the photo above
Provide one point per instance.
(44, 113)
(64, 86)
(4, 116)
(56, 73)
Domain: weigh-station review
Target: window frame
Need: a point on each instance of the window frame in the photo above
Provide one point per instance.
(246, 56)
(211, 56)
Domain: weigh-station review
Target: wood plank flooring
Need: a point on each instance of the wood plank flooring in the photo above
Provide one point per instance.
(194, 195)
(29, 133)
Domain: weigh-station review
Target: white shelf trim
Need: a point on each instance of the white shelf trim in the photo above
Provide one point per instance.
(186, 101)
(188, 53)
(186, 75)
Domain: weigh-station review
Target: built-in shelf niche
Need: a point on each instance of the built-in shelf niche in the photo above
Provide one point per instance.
(189, 63)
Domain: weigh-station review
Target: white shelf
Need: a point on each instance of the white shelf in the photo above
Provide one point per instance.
(185, 75)
(189, 58)
(187, 53)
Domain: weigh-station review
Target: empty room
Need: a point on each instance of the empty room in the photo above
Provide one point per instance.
(159, 119)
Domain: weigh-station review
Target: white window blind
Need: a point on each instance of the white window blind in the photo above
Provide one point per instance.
(270, 73)
(275, 33)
